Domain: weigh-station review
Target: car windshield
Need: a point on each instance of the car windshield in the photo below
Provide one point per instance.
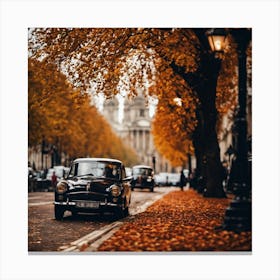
(142, 171)
(106, 169)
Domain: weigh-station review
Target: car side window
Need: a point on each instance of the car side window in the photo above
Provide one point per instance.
(73, 170)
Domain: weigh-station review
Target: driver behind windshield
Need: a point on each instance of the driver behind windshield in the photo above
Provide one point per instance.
(111, 171)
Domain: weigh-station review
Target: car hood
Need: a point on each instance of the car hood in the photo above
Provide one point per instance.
(95, 183)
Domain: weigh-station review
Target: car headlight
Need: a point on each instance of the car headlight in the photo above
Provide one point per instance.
(61, 187)
(115, 190)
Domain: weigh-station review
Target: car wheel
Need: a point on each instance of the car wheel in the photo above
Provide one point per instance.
(74, 213)
(122, 211)
(119, 213)
(126, 212)
(58, 212)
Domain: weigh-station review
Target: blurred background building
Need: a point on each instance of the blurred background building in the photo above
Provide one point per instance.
(134, 127)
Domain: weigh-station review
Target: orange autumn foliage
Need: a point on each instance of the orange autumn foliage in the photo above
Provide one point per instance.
(100, 58)
(63, 115)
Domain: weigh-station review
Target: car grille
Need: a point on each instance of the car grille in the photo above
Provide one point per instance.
(87, 196)
(98, 187)
(94, 187)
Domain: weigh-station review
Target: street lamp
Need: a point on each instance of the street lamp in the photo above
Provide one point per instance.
(217, 39)
(238, 216)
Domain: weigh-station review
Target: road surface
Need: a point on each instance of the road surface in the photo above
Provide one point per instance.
(45, 234)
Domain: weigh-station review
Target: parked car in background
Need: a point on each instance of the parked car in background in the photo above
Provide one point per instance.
(41, 181)
(142, 177)
(173, 179)
(60, 172)
(31, 179)
(186, 173)
(161, 179)
(169, 179)
(49, 174)
(94, 185)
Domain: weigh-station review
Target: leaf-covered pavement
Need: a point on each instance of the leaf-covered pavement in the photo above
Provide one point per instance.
(180, 221)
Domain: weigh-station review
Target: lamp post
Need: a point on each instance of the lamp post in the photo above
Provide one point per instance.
(238, 216)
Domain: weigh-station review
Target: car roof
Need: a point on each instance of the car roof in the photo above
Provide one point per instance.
(97, 159)
(142, 166)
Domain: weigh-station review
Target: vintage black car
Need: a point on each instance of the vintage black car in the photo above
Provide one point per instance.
(142, 177)
(94, 185)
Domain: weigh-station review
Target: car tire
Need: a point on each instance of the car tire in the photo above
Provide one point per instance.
(122, 212)
(58, 212)
(74, 213)
(119, 213)
(126, 212)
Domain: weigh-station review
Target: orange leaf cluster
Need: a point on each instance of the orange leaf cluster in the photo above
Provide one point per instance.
(174, 123)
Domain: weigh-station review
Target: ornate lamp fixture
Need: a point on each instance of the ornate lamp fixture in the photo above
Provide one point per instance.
(217, 39)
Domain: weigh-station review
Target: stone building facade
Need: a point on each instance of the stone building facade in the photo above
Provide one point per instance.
(135, 129)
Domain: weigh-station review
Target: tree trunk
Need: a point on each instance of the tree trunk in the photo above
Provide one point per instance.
(207, 151)
(206, 140)
(207, 96)
(214, 187)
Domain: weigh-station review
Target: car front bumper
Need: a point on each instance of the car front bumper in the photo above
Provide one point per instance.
(87, 206)
(143, 184)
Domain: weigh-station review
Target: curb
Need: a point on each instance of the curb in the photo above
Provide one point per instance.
(84, 242)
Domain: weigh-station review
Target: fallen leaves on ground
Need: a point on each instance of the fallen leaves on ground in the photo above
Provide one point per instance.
(180, 221)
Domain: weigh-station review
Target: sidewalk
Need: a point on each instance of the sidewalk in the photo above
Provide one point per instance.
(180, 221)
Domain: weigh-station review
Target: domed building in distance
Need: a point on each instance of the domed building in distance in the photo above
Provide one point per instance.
(134, 127)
